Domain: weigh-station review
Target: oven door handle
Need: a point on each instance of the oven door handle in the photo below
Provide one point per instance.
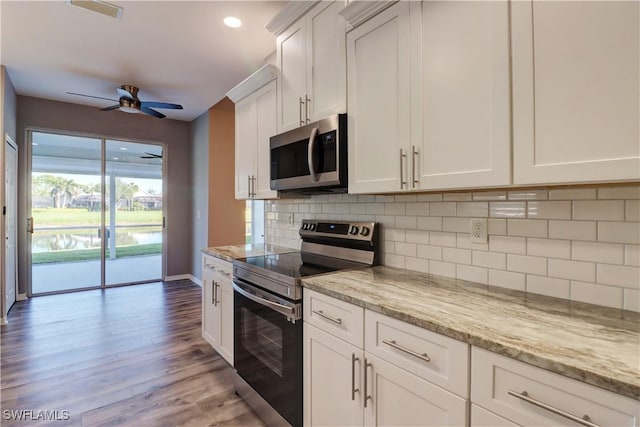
(280, 308)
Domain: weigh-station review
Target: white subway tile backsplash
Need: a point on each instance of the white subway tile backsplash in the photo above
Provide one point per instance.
(572, 230)
(632, 299)
(619, 232)
(591, 293)
(549, 210)
(632, 255)
(507, 209)
(549, 248)
(489, 259)
(618, 275)
(527, 227)
(430, 252)
(610, 253)
(472, 274)
(601, 210)
(625, 192)
(455, 224)
(430, 223)
(456, 197)
(442, 208)
(418, 209)
(574, 270)
(527, 264)
(632, 210)
(573, 194)
(459, 256)
(579, 243)
(507, 279)
(528, 195)
(446, 269)
(510, 245)
(550, 286)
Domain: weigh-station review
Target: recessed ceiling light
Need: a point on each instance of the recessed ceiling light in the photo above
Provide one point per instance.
(232, 21)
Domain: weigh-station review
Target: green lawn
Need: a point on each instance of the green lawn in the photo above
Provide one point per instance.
(94, 254)
(50, 217)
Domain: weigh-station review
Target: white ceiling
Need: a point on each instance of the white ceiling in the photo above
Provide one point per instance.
(174, 51)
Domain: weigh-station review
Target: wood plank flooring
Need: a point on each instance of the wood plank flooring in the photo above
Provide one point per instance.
(126, 356)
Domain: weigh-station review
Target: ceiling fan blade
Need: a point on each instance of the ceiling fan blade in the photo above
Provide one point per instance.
(152, 104)
(123, 93)
(113, 107)
(151, 112)
(91, 96)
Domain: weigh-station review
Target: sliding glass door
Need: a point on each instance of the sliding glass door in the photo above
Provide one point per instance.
(96, 212)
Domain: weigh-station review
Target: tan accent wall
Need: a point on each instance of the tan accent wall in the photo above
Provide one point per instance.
(226, 214)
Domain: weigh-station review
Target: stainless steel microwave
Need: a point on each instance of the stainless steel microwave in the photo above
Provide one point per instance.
(311, 158)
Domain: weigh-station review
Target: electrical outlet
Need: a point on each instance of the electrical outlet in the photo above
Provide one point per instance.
(478, 230)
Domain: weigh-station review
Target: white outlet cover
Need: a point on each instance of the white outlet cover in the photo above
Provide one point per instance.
(478, 230)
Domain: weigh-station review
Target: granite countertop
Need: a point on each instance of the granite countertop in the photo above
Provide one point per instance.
(593, 344)
(229, 253)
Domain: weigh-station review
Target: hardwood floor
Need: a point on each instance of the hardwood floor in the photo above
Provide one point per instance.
(126, 356)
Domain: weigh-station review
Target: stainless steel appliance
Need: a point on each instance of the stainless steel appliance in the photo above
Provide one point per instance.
(268, 312)
(311, 158)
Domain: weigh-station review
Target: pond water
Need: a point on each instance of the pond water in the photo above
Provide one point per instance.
(50, 240)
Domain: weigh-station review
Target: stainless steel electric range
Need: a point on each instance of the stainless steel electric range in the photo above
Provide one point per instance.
(268, 312)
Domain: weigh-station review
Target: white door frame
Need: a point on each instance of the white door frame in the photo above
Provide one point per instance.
(3, 255)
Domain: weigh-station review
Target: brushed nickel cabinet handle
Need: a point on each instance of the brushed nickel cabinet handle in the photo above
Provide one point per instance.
(392, 343)
(367, 396)
(354, 390)
(414, 153)
(336, 320)
(302, 104)
(585, 420)
(213, 293)
(402, 158)
(307, 103)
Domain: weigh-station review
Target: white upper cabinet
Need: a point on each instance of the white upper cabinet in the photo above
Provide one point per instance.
(576, 91)
(460, 111)
(312, 67)
(429, 97)
(255, 123)
(379, 102)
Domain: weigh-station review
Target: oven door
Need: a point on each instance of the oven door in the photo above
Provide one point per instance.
(268, 347)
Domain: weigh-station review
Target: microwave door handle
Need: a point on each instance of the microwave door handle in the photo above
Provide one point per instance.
(311, 153)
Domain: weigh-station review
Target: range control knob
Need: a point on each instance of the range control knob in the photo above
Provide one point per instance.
(312, 227)
(353, 230)
(305, 226)
(365, 231)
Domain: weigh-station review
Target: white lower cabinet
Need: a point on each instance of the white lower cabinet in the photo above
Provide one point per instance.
(217, 305)
(349, 383)
(530, 396)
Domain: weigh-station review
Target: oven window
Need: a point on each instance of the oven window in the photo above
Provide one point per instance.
(263, 340)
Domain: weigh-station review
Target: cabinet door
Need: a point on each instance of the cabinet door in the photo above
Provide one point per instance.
(245, 145)
(461, 95)
(575, 91)
(399, 398)
(290, 54)
(225, 297)
(265, 100)
(210, 313)
(378, 101)
(330, 375)
(326, 61)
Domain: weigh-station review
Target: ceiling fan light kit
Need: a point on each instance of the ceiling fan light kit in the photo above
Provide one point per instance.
(98, 6)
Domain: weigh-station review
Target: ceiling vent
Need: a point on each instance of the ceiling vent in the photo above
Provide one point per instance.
(101, 7)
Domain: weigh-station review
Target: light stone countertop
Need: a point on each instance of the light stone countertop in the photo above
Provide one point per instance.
(593, 344)
(229, 253)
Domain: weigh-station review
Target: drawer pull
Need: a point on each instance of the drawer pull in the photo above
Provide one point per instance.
(333, 319)
(423, 356)
(585, 420)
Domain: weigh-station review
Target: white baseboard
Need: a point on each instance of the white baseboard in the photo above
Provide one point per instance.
(21, 297)
(177, 277)
(195, 280)
(3, 320)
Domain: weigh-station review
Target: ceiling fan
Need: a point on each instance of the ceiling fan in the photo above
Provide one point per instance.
(130, 103)
(151, 156)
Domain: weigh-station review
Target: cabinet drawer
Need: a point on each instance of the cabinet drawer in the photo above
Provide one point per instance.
(497, 381)
(480, 417)
(434, 357)
(339, 318)
(224, 268)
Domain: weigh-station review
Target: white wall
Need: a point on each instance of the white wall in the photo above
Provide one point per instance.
(579, 243)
